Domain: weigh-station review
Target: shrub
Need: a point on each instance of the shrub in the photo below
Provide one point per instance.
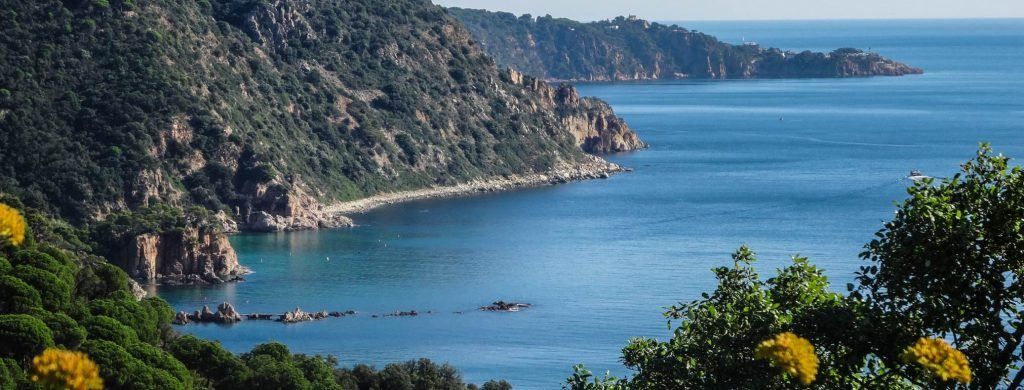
(59, 265)
(209, 359)
(100, 280)
(66, 332)
(11, 374)
(17, 296)
(135, 315)
(270, 374)
(159, 359)
(23, 336)
(53, 291)
(109, 329)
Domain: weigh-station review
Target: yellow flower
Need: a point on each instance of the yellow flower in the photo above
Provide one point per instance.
(60, 369)
(939, 358)
(792, 354)
(12, 225)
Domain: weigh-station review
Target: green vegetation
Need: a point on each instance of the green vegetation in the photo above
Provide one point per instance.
(948, 266)
(119, 104)
(629, 48)
(53, 297)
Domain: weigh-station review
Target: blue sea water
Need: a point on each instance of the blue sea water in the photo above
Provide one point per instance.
(809, 167)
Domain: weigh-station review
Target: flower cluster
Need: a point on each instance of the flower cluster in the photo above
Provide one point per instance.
(940, 358)
(12, 225)
(60, 369)
(792, 354)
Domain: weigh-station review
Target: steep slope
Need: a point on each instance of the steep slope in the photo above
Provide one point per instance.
(635, 49)
(264, 110)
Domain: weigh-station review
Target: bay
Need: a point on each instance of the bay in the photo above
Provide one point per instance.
(809, 167)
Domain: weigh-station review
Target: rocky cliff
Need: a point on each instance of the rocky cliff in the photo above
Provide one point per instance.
(593, 124)
(262, 111)
(180, 257)
(635, 49)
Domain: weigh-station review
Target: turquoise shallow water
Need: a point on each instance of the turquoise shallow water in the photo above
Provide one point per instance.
(601, 258)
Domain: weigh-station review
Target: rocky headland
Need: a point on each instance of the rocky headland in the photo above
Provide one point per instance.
(186, 256)
(630, 48)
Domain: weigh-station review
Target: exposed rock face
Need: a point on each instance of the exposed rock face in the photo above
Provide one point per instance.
(598, 129)
(190, 255)
(137, 290)
(635, 49)
(278, 207)
(591, 121)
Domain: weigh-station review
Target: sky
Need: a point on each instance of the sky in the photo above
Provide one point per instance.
(588, 10)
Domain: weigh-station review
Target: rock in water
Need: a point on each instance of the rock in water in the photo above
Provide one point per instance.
(226, 314)
(182, 318)
(505, 306)
(205, 315)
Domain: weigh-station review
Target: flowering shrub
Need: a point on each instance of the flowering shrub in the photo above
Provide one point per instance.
(792, 354)
(939, 358)
(60, 369)
(12, 225)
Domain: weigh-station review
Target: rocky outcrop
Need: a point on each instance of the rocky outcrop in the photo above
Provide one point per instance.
(505, 306)
(185, 256)
(137, 290)
(592, 122)
(278, 207)
(597, 129)
(298, 315)
(226, 314)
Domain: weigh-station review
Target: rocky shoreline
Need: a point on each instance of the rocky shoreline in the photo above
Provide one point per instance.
(226, 314)
(593, 168)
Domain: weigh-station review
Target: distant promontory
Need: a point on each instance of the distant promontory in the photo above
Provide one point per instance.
(629, 48)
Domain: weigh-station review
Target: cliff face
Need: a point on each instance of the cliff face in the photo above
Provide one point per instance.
(593, 124)
(186, 256)
(262, 111)
(635, 49)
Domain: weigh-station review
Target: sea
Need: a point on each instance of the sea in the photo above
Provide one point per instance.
(809, 167)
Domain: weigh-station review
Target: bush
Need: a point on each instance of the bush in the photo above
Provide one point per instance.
(209, 359)
(318, 370)
(66, 332)
(109, 329)
(61, 267)
(11, 374)
(496, 385)
(276, 351)
(53, 291)
(159, 359)
(121, 370)
(17, 296)
(23, 336)
(141, 317)
(270, 374)
(100, 279)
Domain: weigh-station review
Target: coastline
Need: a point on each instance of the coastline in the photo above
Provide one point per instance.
(594, 168)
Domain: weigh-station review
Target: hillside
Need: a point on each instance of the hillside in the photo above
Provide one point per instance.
(264, 111)
(635, 49)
